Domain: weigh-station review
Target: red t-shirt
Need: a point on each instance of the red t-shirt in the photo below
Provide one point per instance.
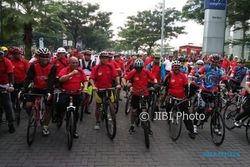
(20, 69)
(60, 63)
(41, 76)
(140, 81)
(74, 83)
(177, 85)
(103, 75)
(117, 67)
(6, 67)
(156, 72)
(225, 64)
(148, 60)
(233, 64)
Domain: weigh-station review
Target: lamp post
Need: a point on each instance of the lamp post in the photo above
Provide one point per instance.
(1, 23)
(162, 26)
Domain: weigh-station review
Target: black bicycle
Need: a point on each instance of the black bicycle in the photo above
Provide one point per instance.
(128, 100)
(108, 111)
(143, 117)
(153, 100)
(212, 108)
(175, 120)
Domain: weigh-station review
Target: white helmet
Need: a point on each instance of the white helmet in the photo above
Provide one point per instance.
(199, 62)
(61, 50)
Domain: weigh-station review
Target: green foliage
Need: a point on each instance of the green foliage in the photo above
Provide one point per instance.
(193, 10)
(145, 28)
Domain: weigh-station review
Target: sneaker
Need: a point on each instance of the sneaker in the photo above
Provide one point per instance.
(217, 131)
(76, 135)
(45, 131)
(97, 126)
(195, 130)
(11, 128)
(191, 135)
(131, 129)
(237, 123)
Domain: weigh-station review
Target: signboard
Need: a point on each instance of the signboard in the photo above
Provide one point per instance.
(70, 43)
(65, 42)
(215, 4)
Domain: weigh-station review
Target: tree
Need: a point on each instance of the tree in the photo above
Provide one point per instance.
(85, 24)
(28, 14)
(194, 10)
(145, 28)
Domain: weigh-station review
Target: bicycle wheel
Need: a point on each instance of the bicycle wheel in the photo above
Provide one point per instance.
(116, 104)
(217, 128)
(175, 124)
(110, 121)
(153, 107)
(70, 128)
(229, 115)
(31, 128)
(248, 130)
(127, 105)
(17, 112)
(146, 129)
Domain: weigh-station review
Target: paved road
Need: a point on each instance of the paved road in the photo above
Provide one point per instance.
(94, 148)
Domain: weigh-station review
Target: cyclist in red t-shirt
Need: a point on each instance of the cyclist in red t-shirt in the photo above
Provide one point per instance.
(6, 83)
(71, 78)
(176, 84)
(139, 78)
(43, 75)
(102, 76)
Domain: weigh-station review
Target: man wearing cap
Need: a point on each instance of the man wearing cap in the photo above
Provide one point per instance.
(6, 83)
(61, 60)
(102, 77)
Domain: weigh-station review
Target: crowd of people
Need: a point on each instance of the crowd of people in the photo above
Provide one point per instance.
(76, 70)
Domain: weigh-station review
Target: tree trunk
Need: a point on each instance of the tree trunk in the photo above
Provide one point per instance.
(28, 36)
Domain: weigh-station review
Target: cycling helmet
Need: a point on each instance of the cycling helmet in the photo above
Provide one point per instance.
(43, 52)
(15, 50)
(104, 54)
(181, 59)
(87, 52)
(61, 50)
(215, 58)
(4, 49)
(176, 63)
(157, 56)
(138, 63)
(199, 62)
(242, 61)
(1, 52)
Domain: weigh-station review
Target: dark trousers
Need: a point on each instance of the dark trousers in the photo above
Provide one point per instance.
(183, 107)
(6, 106)
(62, 104)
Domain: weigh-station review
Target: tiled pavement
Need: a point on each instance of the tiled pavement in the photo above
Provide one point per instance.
(94, 148)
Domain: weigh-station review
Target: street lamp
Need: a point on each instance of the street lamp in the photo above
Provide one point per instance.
(162, 26)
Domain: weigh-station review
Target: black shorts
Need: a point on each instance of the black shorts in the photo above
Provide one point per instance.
(39, 91)
(135, 100)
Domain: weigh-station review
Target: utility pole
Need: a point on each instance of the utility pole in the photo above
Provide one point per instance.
(1, 23)
(162, 27)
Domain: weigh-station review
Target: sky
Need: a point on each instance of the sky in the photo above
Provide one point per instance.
(123, 8)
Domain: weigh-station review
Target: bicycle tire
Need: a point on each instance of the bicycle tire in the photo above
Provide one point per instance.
(70, 129)
(127, 105)
(229, 115)
(146, 128)
(153, 108)
(110, 118)
(175, 125)
(248, 131)
(217, 120)
(32, 122)
(116, 105)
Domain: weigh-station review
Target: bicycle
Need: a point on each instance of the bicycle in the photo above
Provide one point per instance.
(108, 112)
(145, 124)
(17, 105)
(128, 100)
(70, 121)
(154, 94)
(175, 121)
(212, 107)
(233, 107)
(35, 116)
